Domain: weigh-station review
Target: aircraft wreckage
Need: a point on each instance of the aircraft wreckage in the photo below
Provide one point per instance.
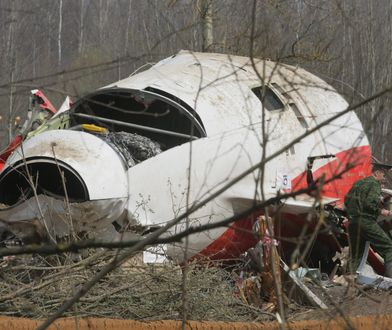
(135, 154)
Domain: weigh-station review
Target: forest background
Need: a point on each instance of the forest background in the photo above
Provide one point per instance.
(71, 47)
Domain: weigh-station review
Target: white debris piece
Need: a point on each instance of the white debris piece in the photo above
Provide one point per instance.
(155, 254)
(366, 274)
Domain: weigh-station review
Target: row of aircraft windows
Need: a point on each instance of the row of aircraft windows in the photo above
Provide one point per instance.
(272, 102)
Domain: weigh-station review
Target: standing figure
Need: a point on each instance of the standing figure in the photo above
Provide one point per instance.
(363, 206)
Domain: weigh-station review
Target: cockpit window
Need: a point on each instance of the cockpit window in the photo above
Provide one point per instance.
(299, 116)
(268, 98)
(180, 102)
(161, 118)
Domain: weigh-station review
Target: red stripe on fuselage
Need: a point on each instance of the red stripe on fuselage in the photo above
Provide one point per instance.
(355, 164)
(9, 150)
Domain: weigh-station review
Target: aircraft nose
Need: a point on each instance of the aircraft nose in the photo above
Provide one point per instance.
(64, 163)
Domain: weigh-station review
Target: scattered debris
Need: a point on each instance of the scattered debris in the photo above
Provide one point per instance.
(313, 299)
(35, 287)
(266, 264)
(256, 282)
(367, 276)
(343, 279)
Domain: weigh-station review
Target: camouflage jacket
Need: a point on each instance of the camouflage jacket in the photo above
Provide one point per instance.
(363, 199)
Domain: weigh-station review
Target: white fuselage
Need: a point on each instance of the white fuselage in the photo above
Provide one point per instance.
(239, 134)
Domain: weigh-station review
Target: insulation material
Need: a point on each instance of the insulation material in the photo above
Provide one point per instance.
(134, 147)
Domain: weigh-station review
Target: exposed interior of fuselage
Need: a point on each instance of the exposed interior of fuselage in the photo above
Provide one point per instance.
(137, 124)
(152, 113)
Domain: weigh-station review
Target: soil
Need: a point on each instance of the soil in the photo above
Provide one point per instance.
(348, 301)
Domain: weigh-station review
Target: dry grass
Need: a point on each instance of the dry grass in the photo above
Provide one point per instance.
(36, 286)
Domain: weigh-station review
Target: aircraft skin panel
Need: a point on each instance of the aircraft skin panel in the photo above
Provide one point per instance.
(214, 161)
(241, 235)
(93, 217)
(218, 87)
(234, 241)
(211, 171)
(359, 157)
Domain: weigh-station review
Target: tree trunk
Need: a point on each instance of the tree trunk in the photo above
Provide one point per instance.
(11, 61)
(80, 46)
(207, 20)
(59, 33)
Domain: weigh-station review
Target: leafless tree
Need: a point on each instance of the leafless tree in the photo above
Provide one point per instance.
(71, 47)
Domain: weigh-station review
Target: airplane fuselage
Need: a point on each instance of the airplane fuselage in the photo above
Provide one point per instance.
(214, 117)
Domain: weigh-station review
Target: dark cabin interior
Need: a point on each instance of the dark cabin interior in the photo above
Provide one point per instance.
(150, 108)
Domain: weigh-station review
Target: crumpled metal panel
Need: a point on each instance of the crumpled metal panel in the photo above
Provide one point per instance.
(92, 217)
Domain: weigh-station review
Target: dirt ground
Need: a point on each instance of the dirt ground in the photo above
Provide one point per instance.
(351, 300)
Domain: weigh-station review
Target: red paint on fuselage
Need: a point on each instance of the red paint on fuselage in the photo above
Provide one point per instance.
(9, 150)
(238, 238)
(354, 164)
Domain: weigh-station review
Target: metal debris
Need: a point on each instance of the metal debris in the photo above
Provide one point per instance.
(255, 289)
(312, 273)
(366, 274)
(313, 299)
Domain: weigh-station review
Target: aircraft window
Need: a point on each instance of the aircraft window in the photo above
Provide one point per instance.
(278, 88)
(270, 99)
(177, 100)
(299, 116)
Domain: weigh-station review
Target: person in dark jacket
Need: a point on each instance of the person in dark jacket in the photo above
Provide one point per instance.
(363, 208)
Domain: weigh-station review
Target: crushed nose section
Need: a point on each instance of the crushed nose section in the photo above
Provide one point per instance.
(41, 176)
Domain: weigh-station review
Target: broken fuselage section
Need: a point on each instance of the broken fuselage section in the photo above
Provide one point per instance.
(71, 172)
(130, 157)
